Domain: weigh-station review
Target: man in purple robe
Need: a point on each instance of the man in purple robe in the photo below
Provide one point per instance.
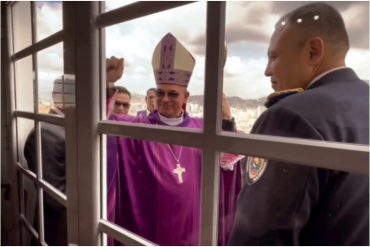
(157, 186)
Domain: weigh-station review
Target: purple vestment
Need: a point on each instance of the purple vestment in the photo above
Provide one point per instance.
(146, 197)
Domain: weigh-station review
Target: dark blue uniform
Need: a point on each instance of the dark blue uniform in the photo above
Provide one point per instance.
(54, 172)
(300, 205)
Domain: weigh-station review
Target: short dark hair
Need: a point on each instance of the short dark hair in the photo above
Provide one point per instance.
(120, 89)
(151, 89)
(319, 19)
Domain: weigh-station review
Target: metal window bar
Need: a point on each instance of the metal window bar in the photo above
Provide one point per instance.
(60, 197)
(88, 141)
(212, 121)
(122, 235)
(52, 119)
(135, 10)
(37, 130)
(69, 42)
(28, 226)
(10, 74)
(38, 46)
(103, 143)
(331, 155)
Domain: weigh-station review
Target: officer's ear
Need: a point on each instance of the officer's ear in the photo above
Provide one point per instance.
(316, 49)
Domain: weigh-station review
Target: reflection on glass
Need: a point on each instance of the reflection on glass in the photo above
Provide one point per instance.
(50, 69)
(29, 208)
(21, 25)
(128, 40)
(49, 18)
(24, 84)
(55, 221)
(24, 128)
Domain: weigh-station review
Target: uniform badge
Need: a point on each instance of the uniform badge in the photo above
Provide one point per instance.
(255, 169)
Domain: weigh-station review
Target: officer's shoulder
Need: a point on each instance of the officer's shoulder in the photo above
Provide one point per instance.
(280, 96)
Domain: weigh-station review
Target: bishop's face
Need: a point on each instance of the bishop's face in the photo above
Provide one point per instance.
(170, 99)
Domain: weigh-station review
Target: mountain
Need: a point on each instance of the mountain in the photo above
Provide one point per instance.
(234, 101)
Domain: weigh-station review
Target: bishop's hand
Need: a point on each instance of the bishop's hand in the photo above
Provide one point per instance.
(115, 67)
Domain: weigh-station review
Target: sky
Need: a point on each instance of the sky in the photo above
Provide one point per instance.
(248, 28)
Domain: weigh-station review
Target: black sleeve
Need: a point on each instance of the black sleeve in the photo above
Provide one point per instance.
(229, 125)
(274, 209)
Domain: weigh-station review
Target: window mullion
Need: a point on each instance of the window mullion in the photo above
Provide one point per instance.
(212, 121)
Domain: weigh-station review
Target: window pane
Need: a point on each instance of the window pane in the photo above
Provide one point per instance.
(154, 190)
(136, 40)
(29, 208)
(305, 201)
(24, 84)
(249, 26)
(50, 72)
(21, 25)
(26, 143)
(49, 19)
(231, 182)
(53, 155)
(111, 5)
(55, 221)
(147, 197)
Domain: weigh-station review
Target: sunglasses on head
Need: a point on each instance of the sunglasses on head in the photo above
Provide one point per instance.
(124, 104)
(170, 95)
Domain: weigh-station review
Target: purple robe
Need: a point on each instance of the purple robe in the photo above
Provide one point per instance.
(146, 197)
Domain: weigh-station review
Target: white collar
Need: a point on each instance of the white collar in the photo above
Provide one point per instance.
(323, 74)
(171, 121)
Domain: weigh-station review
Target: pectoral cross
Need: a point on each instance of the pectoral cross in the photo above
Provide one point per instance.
(179, 171)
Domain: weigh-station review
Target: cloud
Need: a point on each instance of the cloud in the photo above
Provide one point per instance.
(355, 15)
(247, 30)
(49, 19)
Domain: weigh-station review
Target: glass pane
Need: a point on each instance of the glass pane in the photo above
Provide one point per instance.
(24, 84)
(26, 143)
(53, 155)
(154, 190)
(147, 197)
(49, 18)
(304, 201)
(29, 208)
(50, 71)
(135, 41)
(55, 221)
(27, 237)
(111, 5)
(231, 182)
(249, 26)
(21, 25)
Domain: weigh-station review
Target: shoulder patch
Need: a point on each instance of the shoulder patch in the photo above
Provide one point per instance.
(255, 169)
(276, 96)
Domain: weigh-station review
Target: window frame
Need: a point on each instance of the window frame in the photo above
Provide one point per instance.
(85, 125)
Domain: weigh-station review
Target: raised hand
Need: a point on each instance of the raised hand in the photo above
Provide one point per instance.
(115, 67)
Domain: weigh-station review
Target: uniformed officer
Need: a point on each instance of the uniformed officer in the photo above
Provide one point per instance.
(316, 97)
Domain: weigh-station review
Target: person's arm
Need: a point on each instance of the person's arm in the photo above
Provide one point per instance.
(115, 67)
(228, 123)
(273, 209)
